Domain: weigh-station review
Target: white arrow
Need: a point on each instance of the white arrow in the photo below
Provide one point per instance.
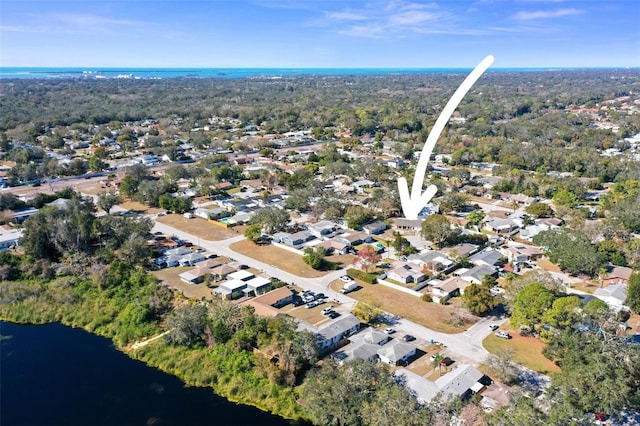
(412, 205)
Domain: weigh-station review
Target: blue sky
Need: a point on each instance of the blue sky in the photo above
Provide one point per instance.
(319, 33)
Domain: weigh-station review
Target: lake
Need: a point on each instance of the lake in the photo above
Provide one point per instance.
(56, 375)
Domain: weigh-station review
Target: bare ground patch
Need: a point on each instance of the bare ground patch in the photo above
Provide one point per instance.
(278, 257)
(201, 227)
(432, 315)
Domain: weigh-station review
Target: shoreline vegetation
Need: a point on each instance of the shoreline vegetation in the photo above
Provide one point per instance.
(230, 372)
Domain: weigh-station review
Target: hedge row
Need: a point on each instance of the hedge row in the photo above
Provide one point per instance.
(367, 277)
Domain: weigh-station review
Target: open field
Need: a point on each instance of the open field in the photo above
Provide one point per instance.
(527, 351)
(137, 207)
(432, 315)
(169, 276)
(286, 260)
(201, 227)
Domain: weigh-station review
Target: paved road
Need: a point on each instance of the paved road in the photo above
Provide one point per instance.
(464, 347)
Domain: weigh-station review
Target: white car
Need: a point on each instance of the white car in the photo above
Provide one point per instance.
(389, 330)
(346, 278)
(493, 327)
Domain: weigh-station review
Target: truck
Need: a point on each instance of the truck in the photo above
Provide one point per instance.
(349, 286)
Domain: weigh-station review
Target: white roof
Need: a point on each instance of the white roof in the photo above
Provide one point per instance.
(233, 285)
(257, 282)
(242, 275)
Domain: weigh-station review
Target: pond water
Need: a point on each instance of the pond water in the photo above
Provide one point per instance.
(56, 375)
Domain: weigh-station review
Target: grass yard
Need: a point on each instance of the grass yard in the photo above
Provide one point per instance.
(137, 207)
(313, 315)
(201, 227)
(586, 286)
(547, 265)
(432, 315)
(527, 351)
(286, 260)
(169, 276)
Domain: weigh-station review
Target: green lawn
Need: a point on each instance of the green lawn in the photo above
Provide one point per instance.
(527, 351)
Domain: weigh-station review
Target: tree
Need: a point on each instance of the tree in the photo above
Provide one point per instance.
(476, 217)
(633, 292)
(314, 258)
(402, 245)
(367, 257)
(367, 313)
(571, 250)
(530, 304)
(502, 365)
(271, 219)
(565, 197)
(452, 201)
(478, 299)
(187, 325)
(108, 199)
(437, 228)
(563, 313)
(253, 233)
(539, 210)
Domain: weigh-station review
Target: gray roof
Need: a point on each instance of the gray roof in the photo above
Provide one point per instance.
(396, 350)
(425, 389)
(478, 272)
(338, 327)
(460, 380)
(369, 335)
(616, 291)
(489, 257)
(366, 351)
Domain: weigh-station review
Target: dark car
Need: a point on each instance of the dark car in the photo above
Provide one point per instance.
(408, 338)
(446, 361)
(334, 315)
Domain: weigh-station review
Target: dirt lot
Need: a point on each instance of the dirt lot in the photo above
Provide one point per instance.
(432, 315)
(284, 259)
(169, 276)
(312, 316)
(137, 207)
(201, 227)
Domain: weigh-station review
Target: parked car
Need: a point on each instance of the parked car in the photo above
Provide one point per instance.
(493, 327)
(327, 311)
(408, 338)
(446, 361)
(346, 278)
(503, 334)
(333, 315)
(389, 330)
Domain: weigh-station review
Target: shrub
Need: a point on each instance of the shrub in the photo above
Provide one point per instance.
(426, 298)
(369, 278)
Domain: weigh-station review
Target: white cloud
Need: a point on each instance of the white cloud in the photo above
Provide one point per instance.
(545, 14)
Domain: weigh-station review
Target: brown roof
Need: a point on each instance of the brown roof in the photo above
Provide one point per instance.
(274, 296)
(261, 309)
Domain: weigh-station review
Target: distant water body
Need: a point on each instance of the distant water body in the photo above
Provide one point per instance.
(160, 73)
(52, 375)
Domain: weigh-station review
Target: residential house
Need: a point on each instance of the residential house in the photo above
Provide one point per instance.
(617, 275)
(432, 259)
(171, 260)
(520, 253)
(221, 272)
(463, 381)
(360, 185)
(501, 226)
(460, 250)
(230, 289)
(268, 303)
(298, 239)
(333, 332)
(403, 224)
(19, 216)
(177, 251)
(335, 246)
(9, 238)
(256, 286)
(324, 229)
(424, 389)
(396, 352)
(370, 335)
(489, 257)
(194, 276)
(374, 228)
(406, 272)
(448, 288)
(366, 351)
(614, 295)
(523, 200)
(354, 238)
(192, 258)
(242, 275)
(476, 274)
